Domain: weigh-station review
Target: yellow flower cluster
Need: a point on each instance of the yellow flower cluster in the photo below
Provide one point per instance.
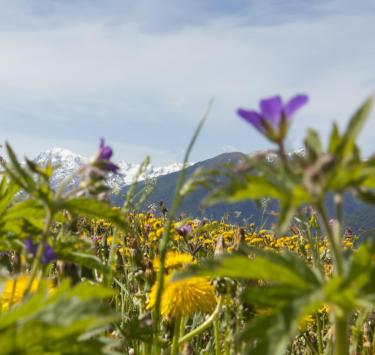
(14, 290)
(185, 297)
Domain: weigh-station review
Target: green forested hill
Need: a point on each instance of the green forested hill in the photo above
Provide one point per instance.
(357, 214)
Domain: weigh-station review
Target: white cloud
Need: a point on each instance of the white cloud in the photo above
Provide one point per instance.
(88, 71)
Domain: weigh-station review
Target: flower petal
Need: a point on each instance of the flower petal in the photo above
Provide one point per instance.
(252, 117)
(295, 104)
(49, 254)
(105, 152)
(109, 166)
(271, 109)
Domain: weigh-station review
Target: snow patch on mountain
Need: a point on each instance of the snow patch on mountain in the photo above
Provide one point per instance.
(66, 163)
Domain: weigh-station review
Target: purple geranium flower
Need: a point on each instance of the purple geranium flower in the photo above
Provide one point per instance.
(48, 255)
(184, 230)
(112, 167)
(104, 156)
(105, 152)
(30, 247)
(272, 114)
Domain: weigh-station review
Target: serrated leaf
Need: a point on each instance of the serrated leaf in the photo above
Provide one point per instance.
(265, 266)
(18, 174)
(63, 322)
(92, 208)
(353, 129)
(334, 140)
(84, 259)
(8, 191)
(313, 143)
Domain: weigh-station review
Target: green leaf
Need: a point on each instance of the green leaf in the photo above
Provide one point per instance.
(65, 321)
(7, 193)
(18, 174)
(334, 140)
(84, 259)
(313, 143)
(28, 212)
(272, 334)
(287, 211)
(283, 268)
(366, 195)
(92, 208)
(272, 295)
(355, 125)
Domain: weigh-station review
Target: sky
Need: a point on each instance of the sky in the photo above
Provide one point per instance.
(141, 73)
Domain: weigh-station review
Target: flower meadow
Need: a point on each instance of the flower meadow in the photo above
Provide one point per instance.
(80, 276)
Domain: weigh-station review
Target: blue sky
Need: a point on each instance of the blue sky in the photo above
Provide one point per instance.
(140, 73)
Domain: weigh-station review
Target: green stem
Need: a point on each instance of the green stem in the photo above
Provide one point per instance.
(284, 158)
(217, 336)
(341, 335)
(39, 253)
(167, 229)
(182, 327)
(204, 325)
(315, 251)
(176, 335)
(319, 333)
(309, 344)
(332, 239)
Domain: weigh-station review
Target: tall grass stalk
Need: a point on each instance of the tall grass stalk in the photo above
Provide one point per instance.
(177, 200)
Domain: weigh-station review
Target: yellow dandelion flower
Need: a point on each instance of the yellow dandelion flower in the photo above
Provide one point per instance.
(152, 237)
(157, 224)
(306, 323)
(159, 232)
(14, 290)
(184, 298)
(309, 320)
(256, 240)
(230, 249)
(173, 260)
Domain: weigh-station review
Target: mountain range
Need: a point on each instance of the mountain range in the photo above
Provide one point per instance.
(66, 163)
(357, 214)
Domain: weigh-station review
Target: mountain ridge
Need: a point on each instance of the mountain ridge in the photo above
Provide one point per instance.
(66, 163)
(357, 214)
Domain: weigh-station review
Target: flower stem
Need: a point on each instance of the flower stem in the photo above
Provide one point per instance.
(204, 325)
(167, 229)
(176, 335)
(182, 327)
(319, 333)
(217, 335)
(333, 240)
(39, 253)
(284, 158)
(341, 335)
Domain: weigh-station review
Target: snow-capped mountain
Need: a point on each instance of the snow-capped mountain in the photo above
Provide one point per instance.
(66, 163)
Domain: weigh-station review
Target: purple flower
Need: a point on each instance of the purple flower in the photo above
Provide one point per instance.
(105, 152)
(103, 158)
(48, 255)
(109, 166)
(184, 230)
(273, 114)
(30, 247)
